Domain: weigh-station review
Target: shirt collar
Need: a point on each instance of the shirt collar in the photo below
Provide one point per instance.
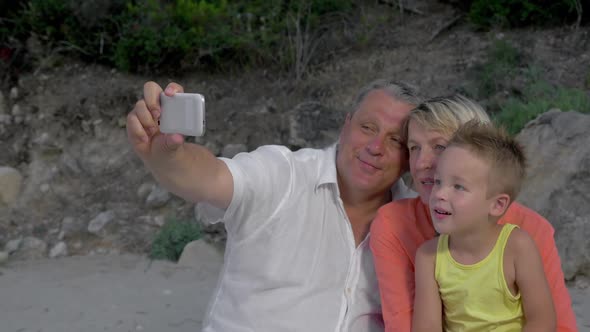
(327, 172)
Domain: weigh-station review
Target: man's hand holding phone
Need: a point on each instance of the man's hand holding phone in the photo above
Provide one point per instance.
(188, 170)
(158, 122)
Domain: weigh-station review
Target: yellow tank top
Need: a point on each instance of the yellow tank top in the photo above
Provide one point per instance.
(475, 297)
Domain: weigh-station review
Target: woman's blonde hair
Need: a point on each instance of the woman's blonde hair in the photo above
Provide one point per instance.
(445, 114)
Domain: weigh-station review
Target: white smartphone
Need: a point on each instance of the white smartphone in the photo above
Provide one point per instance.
(183, 113)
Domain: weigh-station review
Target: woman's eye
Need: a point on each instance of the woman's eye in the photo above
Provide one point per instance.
(439, 147)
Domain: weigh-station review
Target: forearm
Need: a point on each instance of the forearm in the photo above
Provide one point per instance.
(395, 275)
(193, 173)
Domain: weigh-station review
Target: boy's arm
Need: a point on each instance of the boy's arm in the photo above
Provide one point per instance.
(530, 279)
(427, 303)
(395, 275)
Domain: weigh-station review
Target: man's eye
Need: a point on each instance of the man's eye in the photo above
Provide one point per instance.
(413, 148)
(395, 141)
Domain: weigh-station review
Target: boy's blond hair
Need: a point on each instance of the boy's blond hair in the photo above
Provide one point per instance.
(502, 152)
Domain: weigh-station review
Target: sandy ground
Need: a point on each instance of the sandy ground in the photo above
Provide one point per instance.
(124, 293)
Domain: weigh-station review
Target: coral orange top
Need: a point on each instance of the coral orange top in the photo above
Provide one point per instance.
(402, 226)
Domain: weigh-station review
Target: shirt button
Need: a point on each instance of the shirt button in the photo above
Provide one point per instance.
(348, 291)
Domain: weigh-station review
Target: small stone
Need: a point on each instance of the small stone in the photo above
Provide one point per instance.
(10, 185)
(158, 197)
(13, 245)
(582, 283)
(144, 190)
(3, 257)
(101, 220)
(59, 250)
(13, 93)
(5, 118)
(16, 110)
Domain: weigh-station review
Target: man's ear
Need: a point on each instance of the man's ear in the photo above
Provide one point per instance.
(499, 205)
(348, 117)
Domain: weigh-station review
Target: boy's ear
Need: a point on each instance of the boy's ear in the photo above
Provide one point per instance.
(499, 205)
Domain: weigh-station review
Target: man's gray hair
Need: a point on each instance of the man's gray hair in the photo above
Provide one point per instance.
(399, 90)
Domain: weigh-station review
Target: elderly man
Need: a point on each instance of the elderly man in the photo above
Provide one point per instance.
(297, 255)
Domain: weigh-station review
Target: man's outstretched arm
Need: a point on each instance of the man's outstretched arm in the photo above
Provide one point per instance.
(188, 170)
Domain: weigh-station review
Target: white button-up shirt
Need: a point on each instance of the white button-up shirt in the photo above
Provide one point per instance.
(291, 263)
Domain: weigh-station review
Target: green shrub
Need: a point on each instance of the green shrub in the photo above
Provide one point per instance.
(496, 73)
(517, 92)
(145, 35)
(172, 238)
(519, 13)
(537, 99)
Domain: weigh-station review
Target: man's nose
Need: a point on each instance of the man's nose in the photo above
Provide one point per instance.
(375, 145)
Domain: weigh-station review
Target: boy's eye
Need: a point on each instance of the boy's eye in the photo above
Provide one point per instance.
(436, 182)
(413, 148)
(459, 187)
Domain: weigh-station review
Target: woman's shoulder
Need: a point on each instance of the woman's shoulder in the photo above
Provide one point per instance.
(526, 218)
(400, 214)
(401, 207)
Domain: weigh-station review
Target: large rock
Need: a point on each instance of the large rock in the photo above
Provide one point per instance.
(558, 182)
(199, 253)
(31, 248)
(10, 185)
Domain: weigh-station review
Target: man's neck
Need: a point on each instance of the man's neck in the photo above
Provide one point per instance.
(361, 210)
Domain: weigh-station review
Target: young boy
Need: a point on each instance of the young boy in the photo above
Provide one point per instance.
(480, 275)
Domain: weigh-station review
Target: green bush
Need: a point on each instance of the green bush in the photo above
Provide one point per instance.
(145, 35)
(516, 91)
(495, 74)
(519, 13)
(172, 238)
(537, 99)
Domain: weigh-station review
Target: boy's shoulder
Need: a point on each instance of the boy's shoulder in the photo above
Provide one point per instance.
(520, 242)
(428, 248)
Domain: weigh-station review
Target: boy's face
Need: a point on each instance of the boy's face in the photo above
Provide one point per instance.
(459, 201)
